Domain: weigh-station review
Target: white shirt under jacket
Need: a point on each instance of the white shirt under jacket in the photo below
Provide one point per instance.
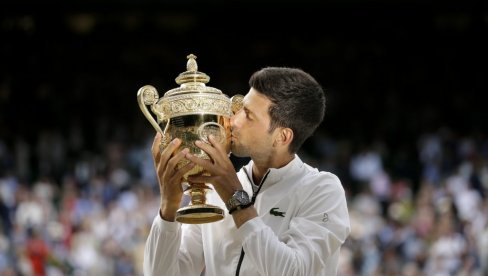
(304, 241)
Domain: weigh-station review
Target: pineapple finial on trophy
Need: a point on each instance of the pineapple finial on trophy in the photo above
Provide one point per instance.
(191, 64)
(192, 75)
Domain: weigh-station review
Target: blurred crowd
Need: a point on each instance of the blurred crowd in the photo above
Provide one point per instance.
(70, 209)
(433, 224)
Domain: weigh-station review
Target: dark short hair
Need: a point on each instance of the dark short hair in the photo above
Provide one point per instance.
(298, 101)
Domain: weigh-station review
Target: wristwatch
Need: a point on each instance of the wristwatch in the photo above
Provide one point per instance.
(239, 200)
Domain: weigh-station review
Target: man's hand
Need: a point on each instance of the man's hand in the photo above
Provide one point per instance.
(222, 175)
(169, 176)
(222, 172)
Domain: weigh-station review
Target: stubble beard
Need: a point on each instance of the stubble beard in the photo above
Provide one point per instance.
(239, 150)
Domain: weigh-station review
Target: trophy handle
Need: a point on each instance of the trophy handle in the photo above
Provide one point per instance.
(148, 95)
(236, 103)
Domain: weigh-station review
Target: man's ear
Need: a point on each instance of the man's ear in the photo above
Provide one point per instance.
(284, 136)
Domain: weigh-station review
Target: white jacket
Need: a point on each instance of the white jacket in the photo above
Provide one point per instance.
(303, 221)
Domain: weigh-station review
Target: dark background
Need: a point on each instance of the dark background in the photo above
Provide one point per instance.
(391, 71)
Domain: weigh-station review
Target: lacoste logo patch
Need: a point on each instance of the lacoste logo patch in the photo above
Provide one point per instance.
(275, 212)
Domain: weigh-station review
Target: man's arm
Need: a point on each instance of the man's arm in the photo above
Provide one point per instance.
(173, 249)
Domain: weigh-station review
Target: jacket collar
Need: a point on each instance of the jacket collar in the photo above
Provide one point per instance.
(276, 174)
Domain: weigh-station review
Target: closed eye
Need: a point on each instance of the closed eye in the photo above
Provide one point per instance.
(248, 113)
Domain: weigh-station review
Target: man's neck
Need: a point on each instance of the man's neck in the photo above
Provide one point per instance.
(260, 169)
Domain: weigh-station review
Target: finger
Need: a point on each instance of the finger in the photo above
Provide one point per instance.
(208, 148)
(173, 162)
(182, 171)
(216, 144)
(168, 151)
(156, 153)
(204, 163)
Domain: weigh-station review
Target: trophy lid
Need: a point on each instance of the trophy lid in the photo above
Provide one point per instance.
(193, 96)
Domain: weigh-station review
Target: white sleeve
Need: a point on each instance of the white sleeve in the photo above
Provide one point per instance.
(314, 235)
(173, 249)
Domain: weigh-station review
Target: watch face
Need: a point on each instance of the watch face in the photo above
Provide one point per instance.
(239, 198)
(242, 197)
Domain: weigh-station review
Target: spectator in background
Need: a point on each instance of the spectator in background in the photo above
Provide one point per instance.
(37, 251)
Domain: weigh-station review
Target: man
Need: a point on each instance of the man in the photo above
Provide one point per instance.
(285, 217)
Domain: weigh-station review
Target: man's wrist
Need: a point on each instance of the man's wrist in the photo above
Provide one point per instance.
(167, 216)
(239, 207)
(243, 215)
(168, 211)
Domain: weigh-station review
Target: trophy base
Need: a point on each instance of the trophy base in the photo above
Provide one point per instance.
(199, 213)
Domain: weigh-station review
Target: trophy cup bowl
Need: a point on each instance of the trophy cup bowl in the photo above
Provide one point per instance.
(191, 112)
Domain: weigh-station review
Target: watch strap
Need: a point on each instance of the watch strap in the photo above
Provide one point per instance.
(239, 207)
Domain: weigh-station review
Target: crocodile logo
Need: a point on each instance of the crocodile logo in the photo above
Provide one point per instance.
(275, 212)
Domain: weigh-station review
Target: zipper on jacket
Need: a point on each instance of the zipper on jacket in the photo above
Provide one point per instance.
(241, 257)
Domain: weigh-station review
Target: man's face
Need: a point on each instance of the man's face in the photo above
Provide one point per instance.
(250, 125)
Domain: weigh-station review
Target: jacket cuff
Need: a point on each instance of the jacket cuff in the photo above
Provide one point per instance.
(166, 226)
